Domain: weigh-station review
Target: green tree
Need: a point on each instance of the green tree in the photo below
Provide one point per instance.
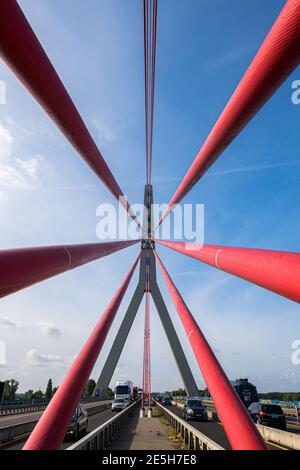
(49, 390)
(28, 395)
(179, 393)
(109, 393)
(89, 388)
(11, 387)
(38, 395)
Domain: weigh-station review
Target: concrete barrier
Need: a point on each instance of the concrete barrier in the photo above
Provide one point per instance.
(285, 438)
(10, 433)
(16, 431)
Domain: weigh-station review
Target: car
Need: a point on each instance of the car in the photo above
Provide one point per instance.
(268, 415)
(79, 423)
(119, 404)
(159, 399)
(194, 409)
(166, 401)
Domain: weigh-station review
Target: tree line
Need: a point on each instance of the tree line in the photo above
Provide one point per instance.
(11, 391)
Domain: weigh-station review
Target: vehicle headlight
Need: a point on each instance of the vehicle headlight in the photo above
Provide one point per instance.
(190, 411)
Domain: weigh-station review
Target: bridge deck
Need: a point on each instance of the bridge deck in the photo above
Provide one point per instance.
(143, 434)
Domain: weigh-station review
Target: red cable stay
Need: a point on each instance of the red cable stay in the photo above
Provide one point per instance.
(150, 28)
(239, 428)
(23, 267)
(52, 426)
(277, 271)
(278, 56)
(23, 53)
(146, 397)
(153, 68)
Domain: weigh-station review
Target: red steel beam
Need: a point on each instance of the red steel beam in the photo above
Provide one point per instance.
(23, 267)
(23, 53)
(240, 430)
(278, 56)
(51, 428)
(277, 271)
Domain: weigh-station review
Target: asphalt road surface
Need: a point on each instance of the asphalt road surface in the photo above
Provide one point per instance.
(95, 420)
(215, 431)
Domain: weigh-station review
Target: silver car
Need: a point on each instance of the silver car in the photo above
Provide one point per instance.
(119, 404)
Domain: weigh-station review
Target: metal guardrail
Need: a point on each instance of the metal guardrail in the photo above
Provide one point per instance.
(18, 407)
(104, 434)
(193, 439)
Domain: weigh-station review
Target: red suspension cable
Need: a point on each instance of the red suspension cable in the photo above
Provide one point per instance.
(150, 28)
(23, 53)
(277, 271)
(23, 267)
(146, 80)
(153, 67)
(239, 428)
(52, 426)
(146, 359)
(146, 397)
(278, 56)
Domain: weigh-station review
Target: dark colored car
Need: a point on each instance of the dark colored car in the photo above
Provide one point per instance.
(194, 409)
(159, 398)
(78, 423)
(268, 415)
(166, 401)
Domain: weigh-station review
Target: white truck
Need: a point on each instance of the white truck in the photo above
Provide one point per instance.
(124, 389)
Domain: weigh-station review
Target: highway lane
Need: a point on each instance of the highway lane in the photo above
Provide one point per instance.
(95, 420)
(215, 431)
(10, 420)
(211, 429)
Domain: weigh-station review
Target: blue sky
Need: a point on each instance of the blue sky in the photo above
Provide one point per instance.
(48, 195)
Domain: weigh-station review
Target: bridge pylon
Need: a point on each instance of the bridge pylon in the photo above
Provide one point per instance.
(147, 268)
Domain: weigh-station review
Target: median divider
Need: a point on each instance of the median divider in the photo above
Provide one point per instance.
(285, 438)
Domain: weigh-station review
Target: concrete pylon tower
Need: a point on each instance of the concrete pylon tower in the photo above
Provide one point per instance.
(147, 256)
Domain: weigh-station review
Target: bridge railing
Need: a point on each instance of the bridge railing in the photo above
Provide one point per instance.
(193, 439)
(104, 434)
(26, 406)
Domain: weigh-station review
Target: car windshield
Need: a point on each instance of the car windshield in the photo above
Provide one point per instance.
(119, 400)
(272, 409)
(194, 403)
(122, 390)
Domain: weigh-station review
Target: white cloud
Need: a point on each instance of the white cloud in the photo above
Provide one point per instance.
(8, 323)
(16, 174)
(49, 329)
(36, 359)
(252, 168)
(229, 57)
(105, 132)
